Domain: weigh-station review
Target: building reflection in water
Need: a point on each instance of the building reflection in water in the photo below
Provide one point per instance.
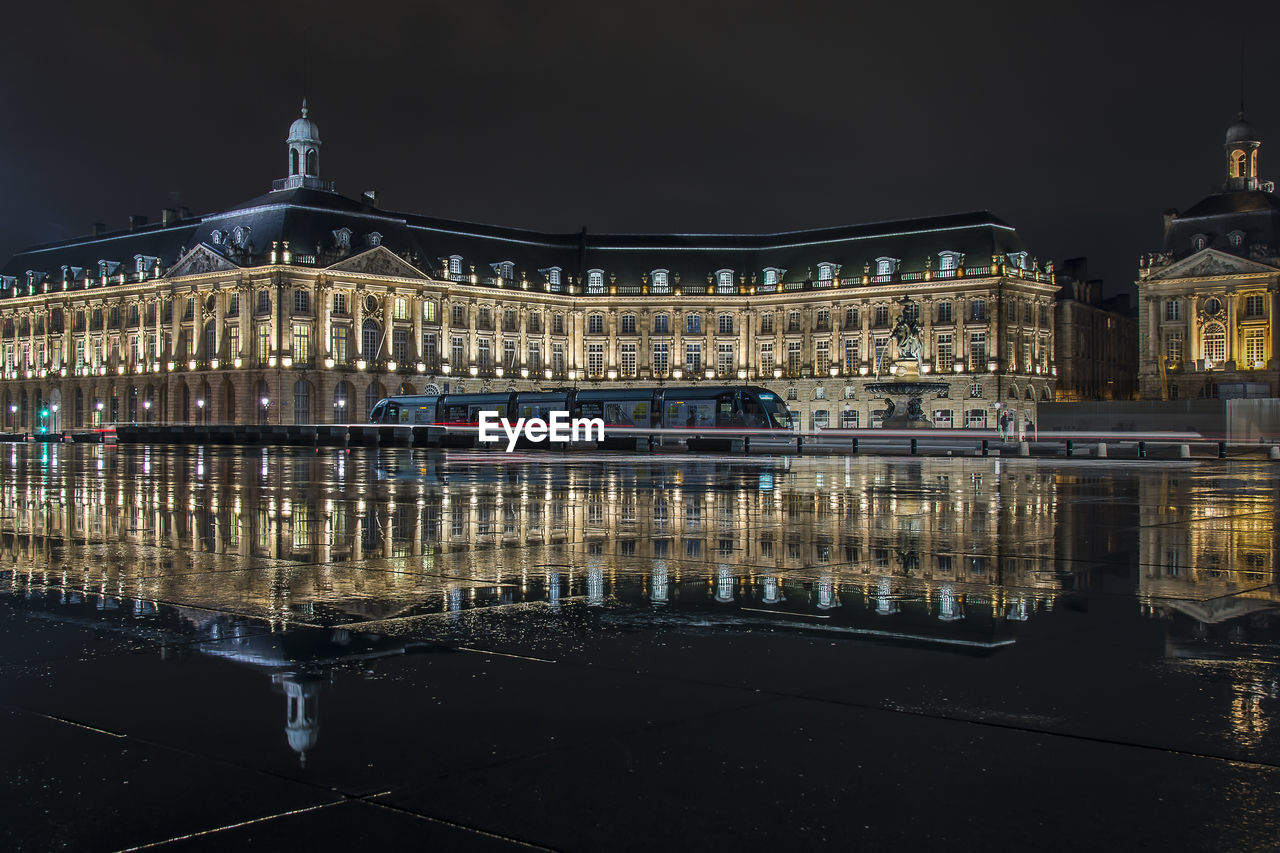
(947, 552)
(1208, 570)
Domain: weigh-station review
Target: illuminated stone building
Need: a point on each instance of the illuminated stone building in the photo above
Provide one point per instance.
(303, 305)
(1096, 352)
(1208, 298)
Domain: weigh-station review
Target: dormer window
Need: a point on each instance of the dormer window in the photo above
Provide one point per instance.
(453, 264)
(240, 236)
(595, 281)
(773, 276)
(827, 273)
(949, 261)
(1198, 242)
(505, 270)
(1018, 260)
(218, 237)
(342, 239)
(553, 277)
(661, 281)
(1236, 238)
(724, 281)
(886, 266)
(374, 238)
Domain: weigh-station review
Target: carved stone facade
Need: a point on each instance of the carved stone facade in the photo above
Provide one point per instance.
(305, 306)
(1208, 300)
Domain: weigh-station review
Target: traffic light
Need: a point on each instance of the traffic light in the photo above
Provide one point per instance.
(44, 417)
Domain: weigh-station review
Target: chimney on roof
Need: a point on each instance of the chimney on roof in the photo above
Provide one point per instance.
(99, 228)
(184, 213)
(168, 217)
(371, 198)
(137, 221)
(1169, 215)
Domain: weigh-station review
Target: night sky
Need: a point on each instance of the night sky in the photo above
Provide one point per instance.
(1078, 126)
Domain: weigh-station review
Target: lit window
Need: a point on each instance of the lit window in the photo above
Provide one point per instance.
(662, 324)
(661, 281)
(595, 281)
(1173, 309)
(1253, 305)
(693, 324)
(724, 281)
(1215, 344)
(886, 266)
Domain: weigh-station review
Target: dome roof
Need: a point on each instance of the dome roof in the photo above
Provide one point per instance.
(1241, 131)
(304, 129)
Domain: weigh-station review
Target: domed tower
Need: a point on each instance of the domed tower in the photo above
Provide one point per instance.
(304, 156)
(1242, 146)
(304, 146)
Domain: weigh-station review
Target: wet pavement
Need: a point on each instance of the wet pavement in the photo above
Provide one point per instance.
(203, 648)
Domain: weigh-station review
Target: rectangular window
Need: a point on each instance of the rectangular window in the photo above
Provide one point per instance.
(557, 358)
(188, 310)
(595, 360)
(882, 347)
(793, 322)
(595, 324)
(340, 343)
(1026, 357)
(661, 324)
(978, 311)
(793, 358)
(557, 324)
(851, 319)
(942, 419)
(693, 358)
(459, 315)
(628, 324)
(400, 345)
(977, 352)
(850, 356)
(1173, 347)
(944, 311)
(484, 317)
(628, 359)
(822, 320)
(766, 323)
(264, 342)
(1027, 317)
(882, 316)
(430, 311)
(509, 356)
(400, 307)
(430, 348)
(340, 304)
(301, 301)
(946, 354)
(484, 355)
(301, 343)
(264, 302)
(822, 358)
(1012, 311)
(233, 342)
(693, 324)
(975, 419)
(661, 358)
(1173, 309)
(1253, 306)
(726, 324)
(233, 308)
(1255, 348)
(724, 359)
(535, 357)
(458, 352)
(766, 359)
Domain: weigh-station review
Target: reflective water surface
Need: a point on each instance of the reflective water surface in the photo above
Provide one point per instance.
(332, 616)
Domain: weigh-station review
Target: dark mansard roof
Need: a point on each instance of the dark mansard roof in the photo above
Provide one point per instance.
(309, 218)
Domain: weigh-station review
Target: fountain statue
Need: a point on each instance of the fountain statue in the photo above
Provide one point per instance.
(904, 394)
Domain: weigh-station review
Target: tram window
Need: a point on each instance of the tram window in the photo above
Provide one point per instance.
(422, 415)
(727, 413)
(752, 414)
(375, 414)
(390, 415)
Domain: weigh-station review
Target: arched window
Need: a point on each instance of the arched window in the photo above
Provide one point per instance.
(724, 281)
(372, 395)
(293, 161)
(302, 402)
(370, 334)
(1239, 164)
(595, 281)
(1215, 344)
(342, 403)
(313, 162)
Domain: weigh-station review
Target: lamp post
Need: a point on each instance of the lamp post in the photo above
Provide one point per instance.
(266, 410)
(98, 406)
(13, 416)
(342, 410)
(53, 426)
(146, 405)
(200, 410)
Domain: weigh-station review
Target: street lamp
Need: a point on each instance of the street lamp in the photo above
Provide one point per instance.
(146, 404)
(98, 406)
(13, 415)
(265, 410)
(54, 425)
(342, 408)
(200, 409)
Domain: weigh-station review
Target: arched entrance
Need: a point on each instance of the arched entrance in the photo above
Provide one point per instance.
(343, 400)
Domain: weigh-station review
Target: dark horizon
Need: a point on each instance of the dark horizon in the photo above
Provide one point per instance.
(1078, 130)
